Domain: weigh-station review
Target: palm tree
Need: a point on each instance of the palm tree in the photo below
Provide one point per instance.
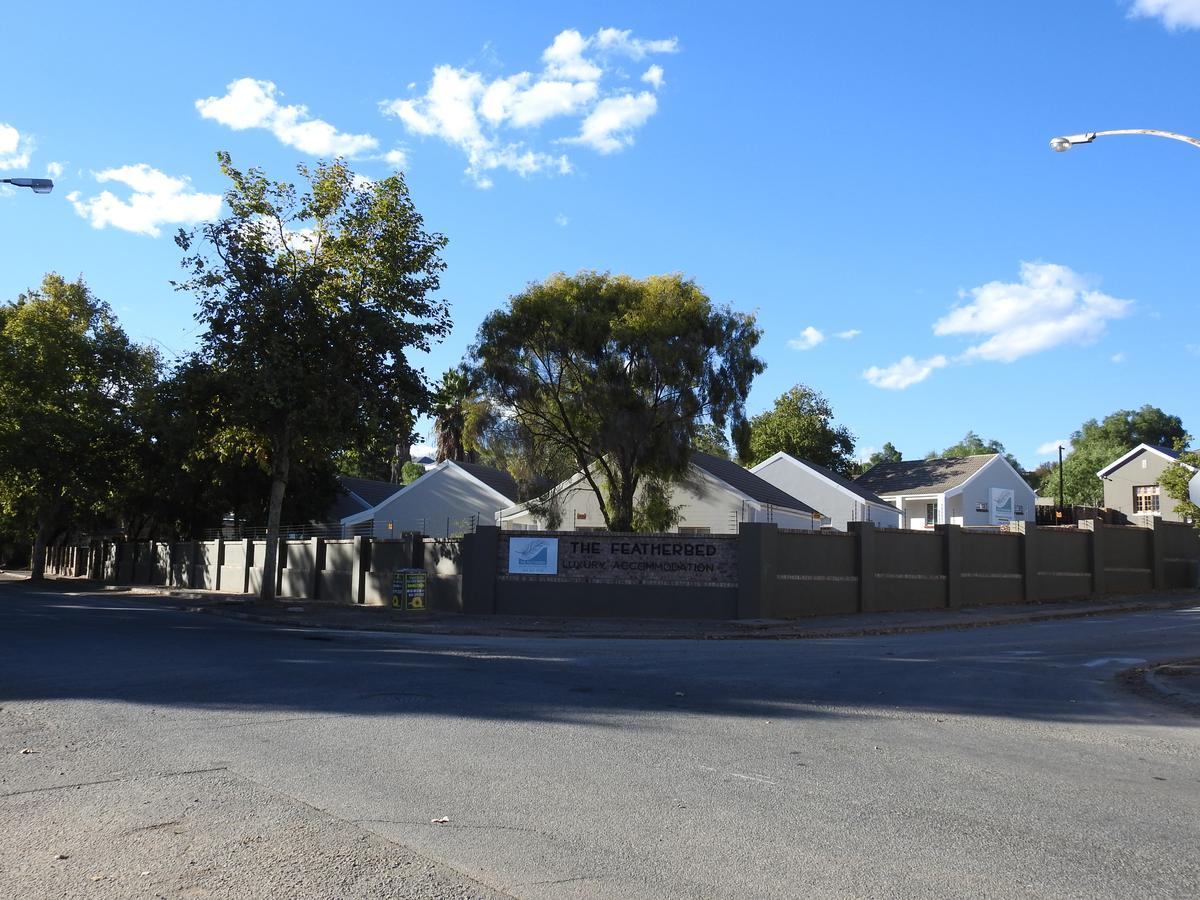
(455, 393)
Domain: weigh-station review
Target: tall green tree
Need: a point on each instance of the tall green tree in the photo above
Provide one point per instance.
(711, 440)
(309, 301)
(618, 373)
(973, 445)
(1098, 443)
(801, 425)
(885, 454)
(69, 381)
(460, 415)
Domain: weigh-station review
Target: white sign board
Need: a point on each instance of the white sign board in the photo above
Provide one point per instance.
(1001, 507)
(532, 556)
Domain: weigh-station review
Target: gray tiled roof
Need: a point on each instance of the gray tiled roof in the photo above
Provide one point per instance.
(922, 476)
(497, 479)
(853, 487)
(748, 483)
(373, 492)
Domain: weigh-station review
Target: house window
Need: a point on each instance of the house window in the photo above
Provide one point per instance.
(695, 529)
(930, 514)
(1145, 498)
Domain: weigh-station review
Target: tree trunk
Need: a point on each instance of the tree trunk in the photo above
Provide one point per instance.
(279, 478)
(37, 564)
(622, 505)
(47, 516)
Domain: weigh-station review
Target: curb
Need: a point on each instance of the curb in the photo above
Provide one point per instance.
(758, 632)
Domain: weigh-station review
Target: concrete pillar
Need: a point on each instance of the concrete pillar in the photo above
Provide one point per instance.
(359, 568)
(1029, 579)
(317, 552)
(865, 532)
(193, 559)
(1096, 553)
(1158, 552)
(480, 551)
(758, 543)
(952, 554)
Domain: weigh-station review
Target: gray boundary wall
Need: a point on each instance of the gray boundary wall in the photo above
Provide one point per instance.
(776, 573)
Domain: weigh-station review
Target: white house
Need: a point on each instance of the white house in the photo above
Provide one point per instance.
(447, 500)
(840, 500)
(715, 497)
(965, 490)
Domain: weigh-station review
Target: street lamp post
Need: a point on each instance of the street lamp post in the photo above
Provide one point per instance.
(1066, 142)
(37, 185)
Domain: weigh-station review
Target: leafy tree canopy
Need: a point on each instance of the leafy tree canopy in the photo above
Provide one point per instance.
(711, 440)
(801, 424)
(1176, 483)
(1098, 443)
(309, 302)
(973, 445)
(411, 471)
(70, 379)
(617, 374)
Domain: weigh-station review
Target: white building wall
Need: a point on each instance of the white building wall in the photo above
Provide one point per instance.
(976, 491)
(440, 501)
(837, 505)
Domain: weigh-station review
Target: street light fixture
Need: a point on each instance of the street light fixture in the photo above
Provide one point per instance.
(38, 185)
(1066, 142)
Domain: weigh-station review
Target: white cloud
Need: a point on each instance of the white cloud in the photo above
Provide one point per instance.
(564, 58)
(54, 169)
(419, 450)
(15, 148)
(609, 127)
(561, 221)
(905, 373)
(476, 114)
(1118, 357)
(808, 339)
(849, 334)
(249, 103)
(397, 158)
(1050, 448)
(612, 40)
(157, 199)
(1051, 305)
(653, 76)
(1173, 13)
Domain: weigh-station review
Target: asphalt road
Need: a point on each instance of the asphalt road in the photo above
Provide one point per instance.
(175, 754)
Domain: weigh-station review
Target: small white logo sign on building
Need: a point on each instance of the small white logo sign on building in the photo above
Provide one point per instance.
(1002, 505)
(532, 556)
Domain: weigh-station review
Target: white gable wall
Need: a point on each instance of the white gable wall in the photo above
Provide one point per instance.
(835, 503)
(976, 490)
(438, 503)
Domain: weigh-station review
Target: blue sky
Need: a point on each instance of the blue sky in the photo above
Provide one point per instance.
(873, 178)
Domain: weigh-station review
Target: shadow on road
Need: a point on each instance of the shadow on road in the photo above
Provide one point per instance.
(55, 646)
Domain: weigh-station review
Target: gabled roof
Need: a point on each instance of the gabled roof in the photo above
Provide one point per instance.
(740, 480)
(497, 479)
(922, 476)
(355, 495)
(746, 482)
(1165, 452)
(368, 490)
(839, 480)
(499, 483)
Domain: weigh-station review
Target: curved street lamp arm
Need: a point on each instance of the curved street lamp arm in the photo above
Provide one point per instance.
(1195, 142)
(1066, 142)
